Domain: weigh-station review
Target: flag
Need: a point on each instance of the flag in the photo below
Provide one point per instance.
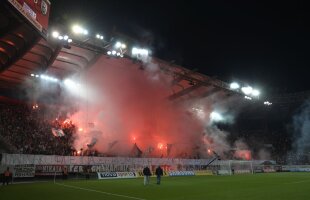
(111, 144)
(57, 132)
(135, 151)
(169, 146)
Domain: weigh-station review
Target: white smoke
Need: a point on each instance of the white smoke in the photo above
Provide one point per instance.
(301, 122)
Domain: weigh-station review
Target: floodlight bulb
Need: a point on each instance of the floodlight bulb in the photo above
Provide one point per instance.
(234, 85)
(55, 34)
(118, 44)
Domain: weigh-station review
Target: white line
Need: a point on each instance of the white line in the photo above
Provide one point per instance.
(307, 180)
(98, 191)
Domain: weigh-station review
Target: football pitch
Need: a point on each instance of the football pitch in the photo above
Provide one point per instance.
(273, 186)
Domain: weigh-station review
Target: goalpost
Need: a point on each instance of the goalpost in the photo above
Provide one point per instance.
(230, 167)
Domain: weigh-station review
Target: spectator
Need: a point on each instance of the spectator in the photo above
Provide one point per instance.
(6, 176)
(147, 174)
(159, 173)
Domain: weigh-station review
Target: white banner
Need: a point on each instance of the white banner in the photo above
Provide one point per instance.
(116, 175)
(181, 173)
(24, 170)
(20, 159)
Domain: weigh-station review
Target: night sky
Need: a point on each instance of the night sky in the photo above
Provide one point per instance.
(262, 43)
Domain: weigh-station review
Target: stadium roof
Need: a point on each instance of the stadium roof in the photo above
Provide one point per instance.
(24, 52)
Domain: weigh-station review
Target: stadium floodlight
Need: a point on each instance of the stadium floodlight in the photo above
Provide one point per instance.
(234, 86)
(66, 37)
(69, 40)
(71, 84)
(37, 76)
(79, 30)
(31, 74)
(113, 52)
(118, 53)
(118, 45)
(109, 52)
(215, 116)
(60, 37)
(267, 103)
(48, 78)
(98, 36)
(55, 34)
(247, 97)
(138, 51)
(247, 90)
(255, 93)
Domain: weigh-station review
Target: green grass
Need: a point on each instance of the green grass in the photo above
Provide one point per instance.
(273, 186)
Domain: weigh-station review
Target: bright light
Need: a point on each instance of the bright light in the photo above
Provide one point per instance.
(32, 74)
(215, 116)
(247, 90)
(160, 146)
(109, 52)
(69, 40)
(255, 93)
(37, 75)
(55, 34)
(234, 86)
(118, 54)
(267, 103)
(60, 37)
(80, 129)
(66, 37)
(123, 46)
(71, 84)
(247, 97)
(209, 151)
(79, 30)
(137, 51)
(113, 52)
(48, 78)
(99, 37)
(118, 45)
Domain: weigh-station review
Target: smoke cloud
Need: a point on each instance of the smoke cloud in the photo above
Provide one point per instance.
(301, 122)
(118, 103)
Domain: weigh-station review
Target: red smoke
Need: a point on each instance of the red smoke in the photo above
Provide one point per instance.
(128, 105)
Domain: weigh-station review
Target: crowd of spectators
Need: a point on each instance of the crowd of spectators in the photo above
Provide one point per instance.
(27, 130)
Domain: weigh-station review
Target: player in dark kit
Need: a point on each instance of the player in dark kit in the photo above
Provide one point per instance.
(159, 172)
(147, 174)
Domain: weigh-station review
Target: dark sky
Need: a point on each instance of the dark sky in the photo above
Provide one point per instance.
(263, 43)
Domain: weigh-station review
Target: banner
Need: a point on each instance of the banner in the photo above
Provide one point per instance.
(35, 11)
(24, 171)
(203, 172)
(18, 159)
(181, 173)
(116, 175)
